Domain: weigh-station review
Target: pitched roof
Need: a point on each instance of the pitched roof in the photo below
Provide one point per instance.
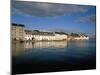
(61, 33)
(43, 33)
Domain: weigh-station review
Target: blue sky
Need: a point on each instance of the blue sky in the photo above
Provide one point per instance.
(54, 17)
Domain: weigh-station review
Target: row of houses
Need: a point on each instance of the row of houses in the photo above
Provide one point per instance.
(20, 33)
(78, 36)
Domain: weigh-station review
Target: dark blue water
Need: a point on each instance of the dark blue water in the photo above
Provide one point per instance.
(53, 56)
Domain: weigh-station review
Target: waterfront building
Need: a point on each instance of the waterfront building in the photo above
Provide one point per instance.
(28, 35)
(78, 36)
(49, 36)
(42, 36)
(17, 32)
(61, 36)
(82, 37)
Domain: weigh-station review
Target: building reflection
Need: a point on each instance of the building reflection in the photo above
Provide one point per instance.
(19, 49)
(79, 44)
(28, 45)
(51, 44)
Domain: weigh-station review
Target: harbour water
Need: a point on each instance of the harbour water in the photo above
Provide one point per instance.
(51, 56)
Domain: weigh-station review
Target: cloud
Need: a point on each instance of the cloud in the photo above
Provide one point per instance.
(40, 9)
(87, 19)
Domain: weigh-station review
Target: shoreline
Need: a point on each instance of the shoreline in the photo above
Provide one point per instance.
(21, 41)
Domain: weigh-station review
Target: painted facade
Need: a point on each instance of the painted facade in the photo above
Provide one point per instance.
(78, 36)
(17, 32)
(28, 35)
(43, 36)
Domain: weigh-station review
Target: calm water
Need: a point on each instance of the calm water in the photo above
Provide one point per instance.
(53, 56)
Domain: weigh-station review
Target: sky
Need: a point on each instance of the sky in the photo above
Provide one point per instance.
(54, 17)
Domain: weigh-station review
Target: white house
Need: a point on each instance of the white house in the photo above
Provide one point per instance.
(40, 36)
(82, 37)
(60, 36)
(49, 36)
(28, 35)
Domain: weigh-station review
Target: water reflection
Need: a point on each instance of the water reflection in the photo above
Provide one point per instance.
(73, 47)
(17, 48)
(29, 56)
(41, 45)
(22, 48)
(79, 44)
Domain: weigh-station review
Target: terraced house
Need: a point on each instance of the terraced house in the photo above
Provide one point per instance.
(43, 36)
(39, 35)
(17, 32)
(28, 35)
